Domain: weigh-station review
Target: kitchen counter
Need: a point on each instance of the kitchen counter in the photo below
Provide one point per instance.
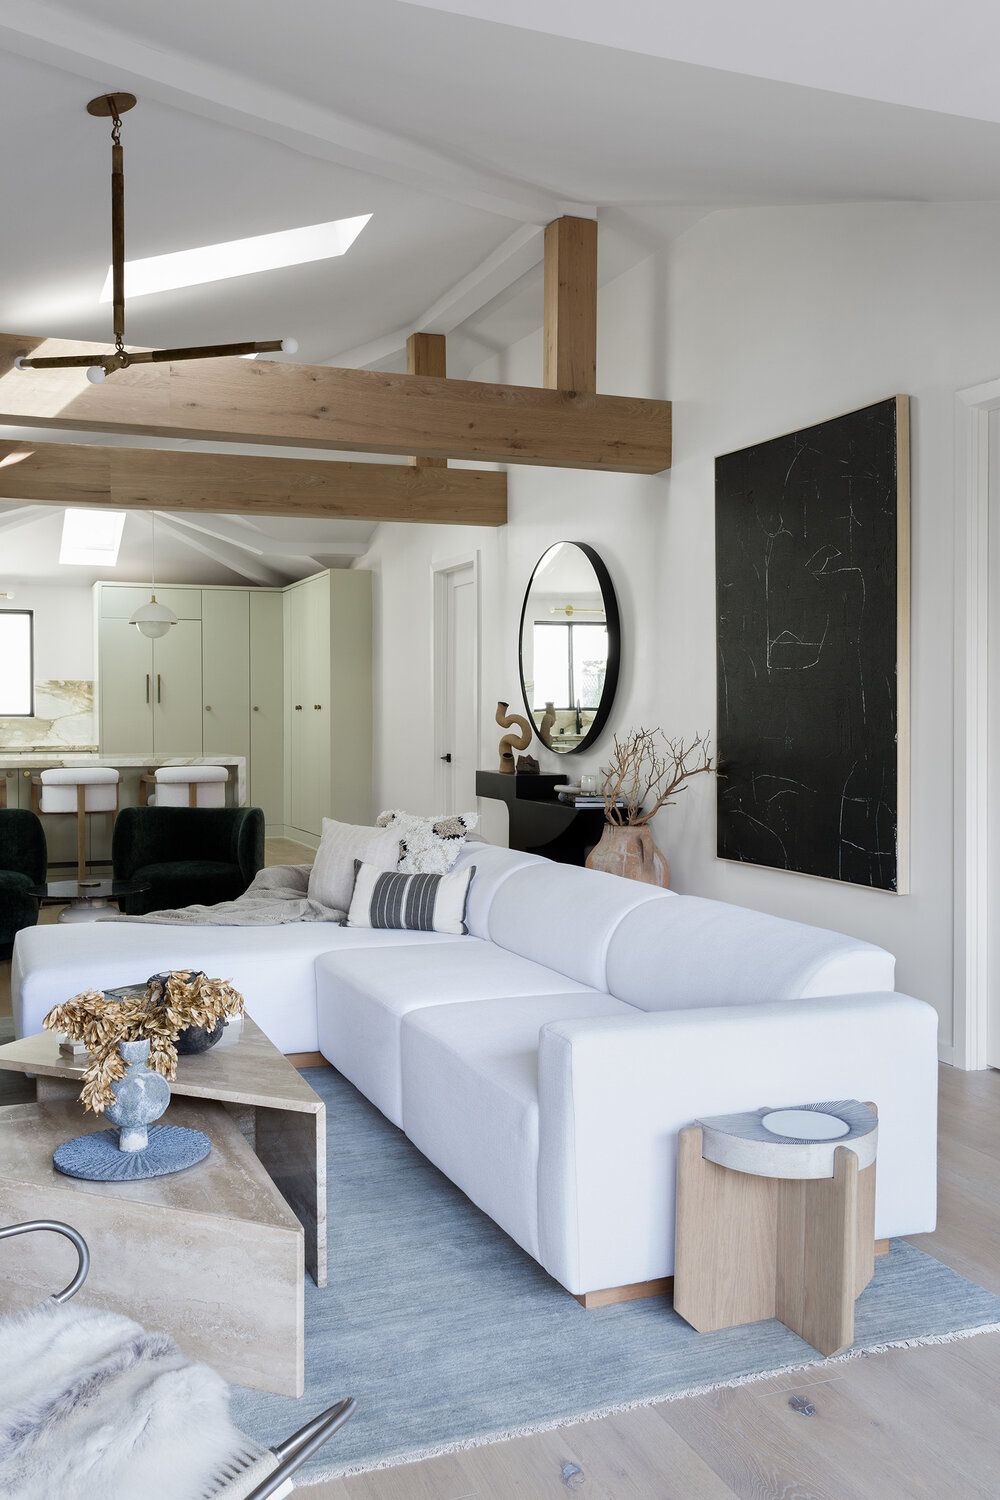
(44, 760)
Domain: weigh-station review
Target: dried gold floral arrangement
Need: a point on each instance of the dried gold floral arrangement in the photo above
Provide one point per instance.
(100, 1022)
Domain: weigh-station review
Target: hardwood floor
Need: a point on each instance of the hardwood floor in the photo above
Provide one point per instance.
(905, 1425)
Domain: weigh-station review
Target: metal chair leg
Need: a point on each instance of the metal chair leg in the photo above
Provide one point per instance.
(69, 1233)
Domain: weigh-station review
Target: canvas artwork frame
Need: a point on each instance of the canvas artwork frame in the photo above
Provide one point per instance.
(813, 649)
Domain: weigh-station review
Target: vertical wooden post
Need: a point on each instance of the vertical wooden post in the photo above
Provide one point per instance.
(570, 318)
(425, 355)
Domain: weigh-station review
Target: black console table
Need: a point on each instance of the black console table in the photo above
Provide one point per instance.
(539, 822)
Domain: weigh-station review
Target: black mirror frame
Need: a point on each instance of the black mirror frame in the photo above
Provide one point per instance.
(613, 621)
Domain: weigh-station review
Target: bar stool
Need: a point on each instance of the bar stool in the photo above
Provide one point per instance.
(80, 790)
(184, 786)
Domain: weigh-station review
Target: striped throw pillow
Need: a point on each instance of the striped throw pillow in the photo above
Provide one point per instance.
(413, 903)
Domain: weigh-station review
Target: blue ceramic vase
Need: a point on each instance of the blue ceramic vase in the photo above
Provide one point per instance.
(140, 1097)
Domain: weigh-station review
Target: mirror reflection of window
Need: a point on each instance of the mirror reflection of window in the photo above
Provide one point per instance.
(570, 663)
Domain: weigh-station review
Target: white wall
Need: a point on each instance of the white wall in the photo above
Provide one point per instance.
(755, 322)
(64, 628)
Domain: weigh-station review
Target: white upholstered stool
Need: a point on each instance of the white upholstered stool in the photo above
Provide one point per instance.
(184, 786)
(80, 790)
(776, 1219)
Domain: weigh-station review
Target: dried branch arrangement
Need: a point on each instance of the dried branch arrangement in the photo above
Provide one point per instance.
(646, 772)
(101, 1021)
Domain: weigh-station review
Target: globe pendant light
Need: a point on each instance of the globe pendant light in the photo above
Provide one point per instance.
(153, 619)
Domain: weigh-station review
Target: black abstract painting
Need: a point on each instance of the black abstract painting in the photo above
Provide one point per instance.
(812, 581)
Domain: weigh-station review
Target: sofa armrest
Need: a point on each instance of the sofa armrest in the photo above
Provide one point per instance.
(614, 1092)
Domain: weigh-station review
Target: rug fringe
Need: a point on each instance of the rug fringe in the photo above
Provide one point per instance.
(440, 1450)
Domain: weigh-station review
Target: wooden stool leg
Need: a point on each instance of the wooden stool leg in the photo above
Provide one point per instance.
(192, 794)
(81, 831)
(817, 1255)
(725, 1241)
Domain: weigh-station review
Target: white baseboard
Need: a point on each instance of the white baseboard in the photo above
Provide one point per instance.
(946, 1053)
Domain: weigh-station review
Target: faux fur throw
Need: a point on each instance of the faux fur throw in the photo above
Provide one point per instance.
(91, 1406)
(279, 894)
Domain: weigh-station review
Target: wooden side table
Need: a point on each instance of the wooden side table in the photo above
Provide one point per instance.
(776, 1219)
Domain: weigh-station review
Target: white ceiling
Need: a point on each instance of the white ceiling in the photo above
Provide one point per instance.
(462, 127)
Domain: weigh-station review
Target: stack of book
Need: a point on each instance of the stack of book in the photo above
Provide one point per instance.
(578, 798)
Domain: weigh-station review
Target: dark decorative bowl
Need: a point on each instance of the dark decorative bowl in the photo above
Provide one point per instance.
(193, 1039)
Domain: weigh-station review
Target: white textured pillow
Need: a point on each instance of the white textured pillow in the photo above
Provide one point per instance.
(331, 879)
(428, 846)
(410, 903)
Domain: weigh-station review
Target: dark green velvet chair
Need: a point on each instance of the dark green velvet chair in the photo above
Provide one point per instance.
(22, 864)
(192, 856)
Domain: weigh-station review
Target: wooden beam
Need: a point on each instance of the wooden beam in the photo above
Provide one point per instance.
(270, 401)
(426, 355)
(250, 485)
(570, 306)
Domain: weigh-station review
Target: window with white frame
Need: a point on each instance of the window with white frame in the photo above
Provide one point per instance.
(17, 685)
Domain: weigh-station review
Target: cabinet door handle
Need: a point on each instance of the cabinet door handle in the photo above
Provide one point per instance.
(147, 687)
(298, 708)
(208, 708)
(317, 705)
(256, 709)
(158, 694)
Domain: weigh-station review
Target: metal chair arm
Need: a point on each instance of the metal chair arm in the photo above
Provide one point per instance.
(69, 1233)
(294, 1451)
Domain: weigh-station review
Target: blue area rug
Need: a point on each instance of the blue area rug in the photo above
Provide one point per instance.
(449, 1335)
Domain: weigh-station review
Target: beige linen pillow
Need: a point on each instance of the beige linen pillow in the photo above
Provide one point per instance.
(331, 879)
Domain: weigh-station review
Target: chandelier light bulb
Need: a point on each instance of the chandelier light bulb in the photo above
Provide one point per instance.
(153, 619)
(95, 374)
(289, 346)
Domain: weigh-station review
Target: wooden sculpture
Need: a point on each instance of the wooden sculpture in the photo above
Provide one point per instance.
(511, 742)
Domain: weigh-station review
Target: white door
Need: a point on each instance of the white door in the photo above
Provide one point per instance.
(993, 739)
(457, 691)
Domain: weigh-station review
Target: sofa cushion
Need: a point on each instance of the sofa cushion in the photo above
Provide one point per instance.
(362, 998)
(389, 899)
(563, 916)
(470, 1096)
(678, 954)
(274, 968)
(494, 865)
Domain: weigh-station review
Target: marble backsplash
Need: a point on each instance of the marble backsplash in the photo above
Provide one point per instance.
(64, 718)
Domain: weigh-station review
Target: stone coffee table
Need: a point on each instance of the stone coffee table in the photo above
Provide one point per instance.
(281, 1117)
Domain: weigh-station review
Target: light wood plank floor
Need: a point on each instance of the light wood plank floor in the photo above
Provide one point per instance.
(898, 1426)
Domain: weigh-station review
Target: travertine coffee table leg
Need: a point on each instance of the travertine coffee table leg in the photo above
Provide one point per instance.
(292, 1146)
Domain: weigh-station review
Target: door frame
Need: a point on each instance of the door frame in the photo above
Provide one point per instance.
(441, 570)
(973, 898)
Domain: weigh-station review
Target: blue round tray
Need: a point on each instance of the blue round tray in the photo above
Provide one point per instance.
(97, 1157)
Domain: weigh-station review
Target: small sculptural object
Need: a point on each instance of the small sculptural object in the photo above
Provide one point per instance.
(527, 765)
(511, 742)
(547, 725)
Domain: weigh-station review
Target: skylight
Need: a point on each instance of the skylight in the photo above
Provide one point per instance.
(262, 252)
(91, 537)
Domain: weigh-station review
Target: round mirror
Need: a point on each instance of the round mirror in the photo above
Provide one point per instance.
(570, 647)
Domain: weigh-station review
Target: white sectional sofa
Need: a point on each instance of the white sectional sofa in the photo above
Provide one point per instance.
(546, 1062)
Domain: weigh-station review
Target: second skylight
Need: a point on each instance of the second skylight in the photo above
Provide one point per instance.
(262, 252)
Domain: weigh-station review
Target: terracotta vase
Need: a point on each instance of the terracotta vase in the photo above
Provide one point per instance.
(630, 850)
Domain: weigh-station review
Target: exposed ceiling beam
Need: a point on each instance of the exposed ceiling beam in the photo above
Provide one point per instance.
(234, 558)
(264, 401)
(259, 544)
(32, 28)
(178, 479)
(518, 254)
(569, 332)
(21, 515)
